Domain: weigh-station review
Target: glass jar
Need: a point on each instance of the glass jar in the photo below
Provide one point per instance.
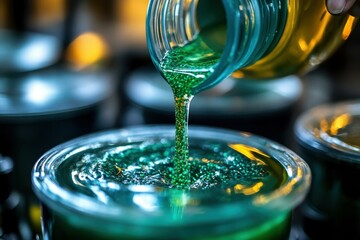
(328, 139)
(249, 39)
(79, 205)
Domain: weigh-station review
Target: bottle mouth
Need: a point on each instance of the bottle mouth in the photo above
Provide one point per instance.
(239, 32)
(156, 204)
(332, 129)
(175, 23)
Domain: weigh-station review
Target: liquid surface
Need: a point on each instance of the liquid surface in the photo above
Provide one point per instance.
(343, 130)
(234, 169)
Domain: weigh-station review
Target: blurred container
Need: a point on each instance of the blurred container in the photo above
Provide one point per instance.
(328, 138)
(31, 34)
(57, 78)
(40, 110)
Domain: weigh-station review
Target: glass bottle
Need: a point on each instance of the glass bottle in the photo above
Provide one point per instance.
(260, 39)
(328, 139)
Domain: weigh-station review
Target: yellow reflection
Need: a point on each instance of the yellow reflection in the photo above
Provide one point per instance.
(349, 26)
(283, 191)
(246, 190)
(249, 152)
(339, 122)
(35, 217)
(303, 45)
(307, 46)
(87, 49)
(238, 74)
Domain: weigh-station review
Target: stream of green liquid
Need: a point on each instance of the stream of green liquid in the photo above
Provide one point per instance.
(185, 68)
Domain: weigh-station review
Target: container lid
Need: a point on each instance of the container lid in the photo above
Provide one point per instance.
(333, 129)
(27, 51)
(51, 91)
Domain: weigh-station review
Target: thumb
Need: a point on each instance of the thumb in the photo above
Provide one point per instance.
(337, 7)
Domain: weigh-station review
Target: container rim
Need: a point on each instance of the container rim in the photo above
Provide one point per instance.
(283, 199)
(310, 135)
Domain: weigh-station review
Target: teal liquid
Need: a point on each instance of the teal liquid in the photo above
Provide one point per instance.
(211, 165)
(185, 68)
(67, 227)
(228, 172)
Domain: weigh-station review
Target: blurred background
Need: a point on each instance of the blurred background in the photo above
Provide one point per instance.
(72, 67)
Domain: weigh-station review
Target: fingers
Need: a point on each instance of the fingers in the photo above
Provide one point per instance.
(337, 7)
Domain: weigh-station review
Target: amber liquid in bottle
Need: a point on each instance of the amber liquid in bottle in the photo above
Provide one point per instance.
(311, 35)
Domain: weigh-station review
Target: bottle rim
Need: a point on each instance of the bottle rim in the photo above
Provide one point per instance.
(157, 36)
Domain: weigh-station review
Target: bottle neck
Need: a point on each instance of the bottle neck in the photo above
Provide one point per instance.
(249, 31)
(240, 31)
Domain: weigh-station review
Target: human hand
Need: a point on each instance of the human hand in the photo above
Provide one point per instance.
(337, 7)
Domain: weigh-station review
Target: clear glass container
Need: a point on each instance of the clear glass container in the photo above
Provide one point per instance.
(328, 138)
(79, 205)
(249, 39)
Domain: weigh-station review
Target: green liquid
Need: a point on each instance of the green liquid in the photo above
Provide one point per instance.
(185, 68)
(212, 165)
(220, 172)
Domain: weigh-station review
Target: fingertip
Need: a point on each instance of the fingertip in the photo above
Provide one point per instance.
(336, 7)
